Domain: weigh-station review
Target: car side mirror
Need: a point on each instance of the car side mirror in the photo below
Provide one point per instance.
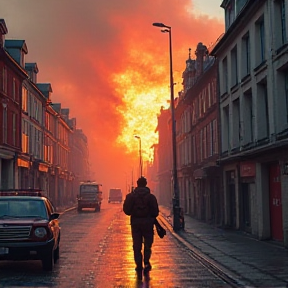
(54, 216)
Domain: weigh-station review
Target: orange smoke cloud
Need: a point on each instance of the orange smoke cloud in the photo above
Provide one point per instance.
(110, 67)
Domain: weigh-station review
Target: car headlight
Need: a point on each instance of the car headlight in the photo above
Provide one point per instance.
(40, 232)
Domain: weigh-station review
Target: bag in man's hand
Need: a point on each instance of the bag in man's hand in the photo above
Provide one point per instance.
(160, 230)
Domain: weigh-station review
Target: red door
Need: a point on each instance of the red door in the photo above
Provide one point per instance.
(275, 203)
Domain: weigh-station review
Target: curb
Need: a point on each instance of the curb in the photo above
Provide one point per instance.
(209, 263)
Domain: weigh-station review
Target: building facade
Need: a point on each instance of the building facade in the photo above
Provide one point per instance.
(12, 74)
(253, 72)
(197, 121)
(197, 141)
(163, 154)
(40, 147)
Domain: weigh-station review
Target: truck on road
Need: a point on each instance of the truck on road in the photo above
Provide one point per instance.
(115, 195)
(90, 196)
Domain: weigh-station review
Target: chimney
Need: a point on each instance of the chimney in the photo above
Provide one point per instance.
(3, 31)
(200, 53)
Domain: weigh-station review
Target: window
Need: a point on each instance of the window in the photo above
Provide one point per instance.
(4, 80)
(47, 121)
(225, 76)
(194, 149)
(38, 144)
(25, 137)
(193, 115)
(239, 5)
(262, 111)
(234, 66)
(205, 142)
(213, 91)
(236, 123)
(283, 21)
(32, 139)
(37, 111)
(35, 108)
(280, 23)
(182, 124)
(201, 145)
(200, 105)
(246, 55)
(196, 109)
(248, 118)
(260, 41)
(286, 94)
(186, 152)
(225, 129)
(5, 123)
(209, 140)
(14, 89)
(187, 120)
(229, 14)
(14, 125)
(24, 99)
(204, 100)
(48, 150)
(189, 150)
(214, 137)
(281, 101)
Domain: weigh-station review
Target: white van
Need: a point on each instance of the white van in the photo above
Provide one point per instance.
(115, 195)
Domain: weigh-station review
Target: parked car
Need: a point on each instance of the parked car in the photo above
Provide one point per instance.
(29, 227)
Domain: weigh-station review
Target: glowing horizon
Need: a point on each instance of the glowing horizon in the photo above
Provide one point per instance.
(110, 67)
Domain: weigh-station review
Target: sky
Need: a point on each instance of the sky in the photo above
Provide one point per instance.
(110, 67)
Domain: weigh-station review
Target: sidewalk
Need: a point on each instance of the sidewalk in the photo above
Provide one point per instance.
(242, 257)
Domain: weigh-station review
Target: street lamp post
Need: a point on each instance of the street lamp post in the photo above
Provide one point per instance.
(140, 153)
(176, 203)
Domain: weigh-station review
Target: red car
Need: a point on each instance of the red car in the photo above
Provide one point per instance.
(29, 227)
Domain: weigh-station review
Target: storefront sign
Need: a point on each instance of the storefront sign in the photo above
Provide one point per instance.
(247, 169)
(23, 163)
(43, 168)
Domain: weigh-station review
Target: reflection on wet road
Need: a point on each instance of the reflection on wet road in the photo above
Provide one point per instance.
(96, 251)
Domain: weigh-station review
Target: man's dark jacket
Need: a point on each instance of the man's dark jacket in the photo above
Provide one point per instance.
(128, 206)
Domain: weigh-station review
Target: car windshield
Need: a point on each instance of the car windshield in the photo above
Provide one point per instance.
(22, 208)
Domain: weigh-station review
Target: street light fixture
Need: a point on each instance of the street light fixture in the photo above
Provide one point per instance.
(176, 204)
(140, 153)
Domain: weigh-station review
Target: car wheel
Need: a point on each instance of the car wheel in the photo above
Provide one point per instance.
(48, 261)
(56, 254)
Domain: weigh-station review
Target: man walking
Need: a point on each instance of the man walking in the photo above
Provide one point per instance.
(142, 207)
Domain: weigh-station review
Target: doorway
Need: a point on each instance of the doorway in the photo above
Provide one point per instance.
(275, 202)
